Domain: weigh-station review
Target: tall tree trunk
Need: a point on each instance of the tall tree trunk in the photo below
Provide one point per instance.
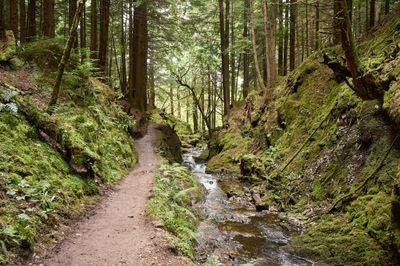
(13, 5)
(31, 34)
(293, 18)
(286, 39)
(336, 22)
(71, 13)
(254, 45)
(138, 81)
(65, 57)
(317, 25)
(179, 109)
(152, 100)
(22, 21)
(224, 53)
(272, 46)
(123, 54)
(307, 37)
(93, 30)
(267, 45)
(280, 39)
(233, 59)
(48, 23)
(366, 15)
(246, 80)
(372, 14)
(83, 34)
(387, 5)
(104, 25)
(195, 117)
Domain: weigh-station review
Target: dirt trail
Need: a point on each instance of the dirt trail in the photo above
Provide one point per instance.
(120, 233)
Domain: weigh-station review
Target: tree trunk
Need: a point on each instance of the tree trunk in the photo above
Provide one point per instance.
(14, 17)
(317, 25)
(372, 14)
(336, 22)
(65, 57)
(93, 30)
(22, 21)
(224, 53)
(195, 118)
(365, 85)
(387, 5)
(31, 34)
(48, 23)
(233, 61)
(71, 13)
(307, 39)
(123, 54)
(138, 80)
(104, 25)
(293, 17)
(272, 46)
(280, 39)
(83, 34)
(179, 109)
(246, 79)
(254, 45)
(286, 39)
(152, 86)
(267, 45)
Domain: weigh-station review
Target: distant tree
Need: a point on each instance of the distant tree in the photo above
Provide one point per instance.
(93, 30)
(31, 31)
(14, 17)
(104, 25)
(22, 20)
(48, 23)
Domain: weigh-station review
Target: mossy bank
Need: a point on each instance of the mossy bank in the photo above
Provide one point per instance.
(45, 183)
(344, 182)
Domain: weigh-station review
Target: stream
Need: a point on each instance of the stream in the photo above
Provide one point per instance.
(232, 232)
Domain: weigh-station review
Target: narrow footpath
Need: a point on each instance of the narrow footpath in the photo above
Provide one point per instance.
(120, 233)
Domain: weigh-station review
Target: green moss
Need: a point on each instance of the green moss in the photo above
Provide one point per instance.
(10, 47)
(334, 241)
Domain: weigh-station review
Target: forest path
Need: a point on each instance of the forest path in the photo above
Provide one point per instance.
(119, 233)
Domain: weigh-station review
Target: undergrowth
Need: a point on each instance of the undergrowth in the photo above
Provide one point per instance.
(170, 203)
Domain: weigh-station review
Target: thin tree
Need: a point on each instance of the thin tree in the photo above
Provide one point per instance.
(93, 30)
(292, 45)
(123, 51)
(286, 39)
(72, 5)
(267, 44)
(65, 57)
(246, 80)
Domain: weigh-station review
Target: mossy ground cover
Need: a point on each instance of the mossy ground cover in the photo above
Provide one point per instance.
(38, 189)
(171, 204)
(342, 154)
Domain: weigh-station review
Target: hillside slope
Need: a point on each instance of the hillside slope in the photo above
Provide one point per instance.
(344, 184)
(51, 166)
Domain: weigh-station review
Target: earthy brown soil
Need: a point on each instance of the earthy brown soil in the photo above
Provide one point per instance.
(120, 233)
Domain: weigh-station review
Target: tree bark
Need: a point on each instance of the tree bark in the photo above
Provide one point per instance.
(48, 23)
(13, 5)
(93, 30)
(272, 46)
(286, 39)
(138, 80)
(387, 5)
(267, 45)
(71, 13)
(317, 25)
(152, 100)
(31, 34)
(233, 60)
(224, 54)
(246, 80)
(83, 34)
(292, 45)
(22, 20)
(123, 53)
(65, 57)
(104, 25)
(336, 22)
(280, 39)
(254, 45)
(195, 118)
(372, 14)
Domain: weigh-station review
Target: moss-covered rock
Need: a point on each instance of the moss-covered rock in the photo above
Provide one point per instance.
(8, 49)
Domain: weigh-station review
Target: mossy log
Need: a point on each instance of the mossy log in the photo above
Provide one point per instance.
(8, 48)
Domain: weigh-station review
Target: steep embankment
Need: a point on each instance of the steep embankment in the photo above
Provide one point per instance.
(344, 184)
(51, 166)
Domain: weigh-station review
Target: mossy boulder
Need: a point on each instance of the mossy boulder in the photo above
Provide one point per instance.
(8, 48)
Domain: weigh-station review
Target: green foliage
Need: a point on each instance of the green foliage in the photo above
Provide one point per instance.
(170, 203)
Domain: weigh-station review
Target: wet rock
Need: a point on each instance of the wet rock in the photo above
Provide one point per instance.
(258, 202)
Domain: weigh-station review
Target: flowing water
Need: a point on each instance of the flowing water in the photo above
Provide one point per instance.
(231, 230)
